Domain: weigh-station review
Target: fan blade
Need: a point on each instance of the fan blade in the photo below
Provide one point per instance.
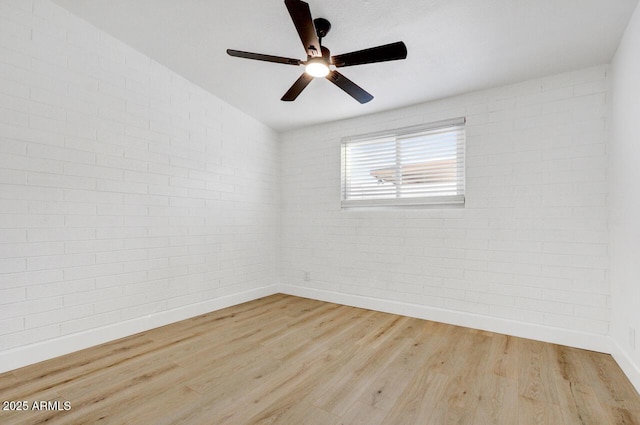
(301, 16)
(261, 57)
(388, 52)
(349, 87)
(297, 87)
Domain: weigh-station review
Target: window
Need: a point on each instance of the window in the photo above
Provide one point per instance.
(410, 166)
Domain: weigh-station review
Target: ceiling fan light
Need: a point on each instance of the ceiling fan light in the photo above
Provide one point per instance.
(317, 68)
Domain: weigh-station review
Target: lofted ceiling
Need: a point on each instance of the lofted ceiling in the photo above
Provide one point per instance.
(454, 46)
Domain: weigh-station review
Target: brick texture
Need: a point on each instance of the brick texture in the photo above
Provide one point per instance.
(531, 243)
(125, 190)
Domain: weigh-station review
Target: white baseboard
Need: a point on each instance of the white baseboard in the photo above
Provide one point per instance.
(626, 364)
(34, 353)
(588, 341)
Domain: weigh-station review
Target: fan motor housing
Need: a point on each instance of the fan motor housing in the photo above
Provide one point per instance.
(322, 27)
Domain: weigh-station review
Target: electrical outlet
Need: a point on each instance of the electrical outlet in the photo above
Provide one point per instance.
(632, 337)
(307, 276)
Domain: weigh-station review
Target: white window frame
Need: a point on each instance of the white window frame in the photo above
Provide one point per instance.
(397, 136)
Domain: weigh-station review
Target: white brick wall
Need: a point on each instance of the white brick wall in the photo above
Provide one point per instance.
(531, 243)
(124, 189)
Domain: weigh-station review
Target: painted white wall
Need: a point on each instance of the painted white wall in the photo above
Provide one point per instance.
(624, 200)
(527, 255)
(129, 197)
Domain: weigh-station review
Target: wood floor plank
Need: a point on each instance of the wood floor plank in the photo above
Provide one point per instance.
(463, 392)
(498, 401)
(362, 414)
(35, 379)
(34, 415)
(503, 356)
(136, 386)
(302, 413)
(290, 360)
(535, 380)
(282, 391)
(357, 376)
(418, 403)
(307, 328)
(386, 389)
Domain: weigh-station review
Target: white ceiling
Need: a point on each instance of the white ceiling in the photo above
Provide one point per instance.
(454, 46)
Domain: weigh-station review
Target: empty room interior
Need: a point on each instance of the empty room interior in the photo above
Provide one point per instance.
(322, 213)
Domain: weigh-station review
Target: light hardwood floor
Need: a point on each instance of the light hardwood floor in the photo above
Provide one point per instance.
(289, 360)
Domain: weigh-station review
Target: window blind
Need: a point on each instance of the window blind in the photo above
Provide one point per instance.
(409, 166)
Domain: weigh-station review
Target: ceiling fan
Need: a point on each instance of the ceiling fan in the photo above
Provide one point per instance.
(319, 61)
